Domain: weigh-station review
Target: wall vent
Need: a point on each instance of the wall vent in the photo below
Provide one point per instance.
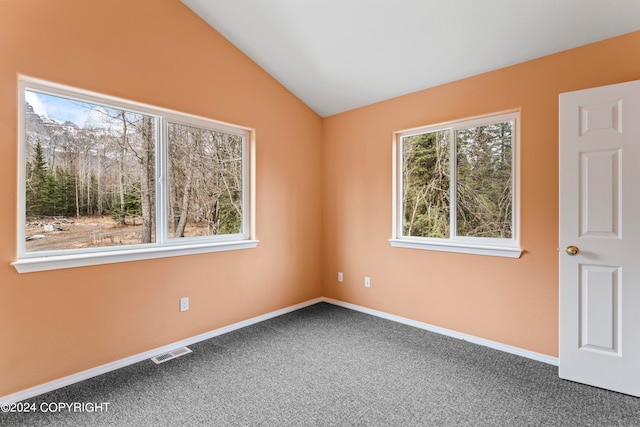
(171, 355)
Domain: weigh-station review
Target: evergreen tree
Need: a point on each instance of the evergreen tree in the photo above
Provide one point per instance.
(132, 204)
(483, 177)
(426, 185)
(484, 201)
(40, 184)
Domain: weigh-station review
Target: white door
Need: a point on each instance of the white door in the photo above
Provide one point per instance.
(600, 237)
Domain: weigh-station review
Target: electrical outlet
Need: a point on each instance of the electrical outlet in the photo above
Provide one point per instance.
(367, 282)
(340, 276)
(184, 304)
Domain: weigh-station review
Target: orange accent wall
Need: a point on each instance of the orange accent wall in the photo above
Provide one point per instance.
(323, 193)
(57, 323)
(511, 301)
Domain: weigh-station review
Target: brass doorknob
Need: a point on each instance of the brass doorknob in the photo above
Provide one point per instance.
(572, 250)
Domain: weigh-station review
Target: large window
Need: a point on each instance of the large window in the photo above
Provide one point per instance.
(456, 187)
(107, 180)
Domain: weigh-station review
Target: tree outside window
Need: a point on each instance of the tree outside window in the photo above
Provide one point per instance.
(92, 175)
(457, 183)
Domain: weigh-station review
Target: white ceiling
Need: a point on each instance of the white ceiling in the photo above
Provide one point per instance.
(336, 55)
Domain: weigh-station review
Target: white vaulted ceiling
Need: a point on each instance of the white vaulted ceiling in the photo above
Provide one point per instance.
(336, 55)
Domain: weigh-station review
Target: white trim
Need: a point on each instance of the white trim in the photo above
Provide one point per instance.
(103, 369)
(449, 246)
(448, 332)
(30, 265)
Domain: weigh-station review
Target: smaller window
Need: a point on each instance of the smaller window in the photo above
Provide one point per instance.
(456, 187)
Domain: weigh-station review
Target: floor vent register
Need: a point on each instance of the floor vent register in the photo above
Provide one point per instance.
(171, 355)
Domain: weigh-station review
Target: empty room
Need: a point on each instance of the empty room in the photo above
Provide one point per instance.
(345, 212)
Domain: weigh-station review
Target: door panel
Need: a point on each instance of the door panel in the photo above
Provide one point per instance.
(599, 187)
(600, 215)
(599, 308)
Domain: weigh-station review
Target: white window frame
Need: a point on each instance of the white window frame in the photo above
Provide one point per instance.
(501, 247)
(164, 246)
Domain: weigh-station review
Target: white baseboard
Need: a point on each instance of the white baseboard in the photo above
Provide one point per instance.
(448, 332)
(103, 369)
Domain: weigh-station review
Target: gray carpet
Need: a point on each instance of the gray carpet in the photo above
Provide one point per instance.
(329, 366)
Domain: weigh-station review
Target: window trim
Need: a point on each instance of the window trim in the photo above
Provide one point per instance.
(164, 246)
(509, 248)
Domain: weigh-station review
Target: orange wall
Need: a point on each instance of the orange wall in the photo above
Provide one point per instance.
(323, 193)
(510, 301)
(158, 52)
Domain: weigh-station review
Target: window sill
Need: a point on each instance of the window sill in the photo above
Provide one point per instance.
(499, 251)
(45, 263)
